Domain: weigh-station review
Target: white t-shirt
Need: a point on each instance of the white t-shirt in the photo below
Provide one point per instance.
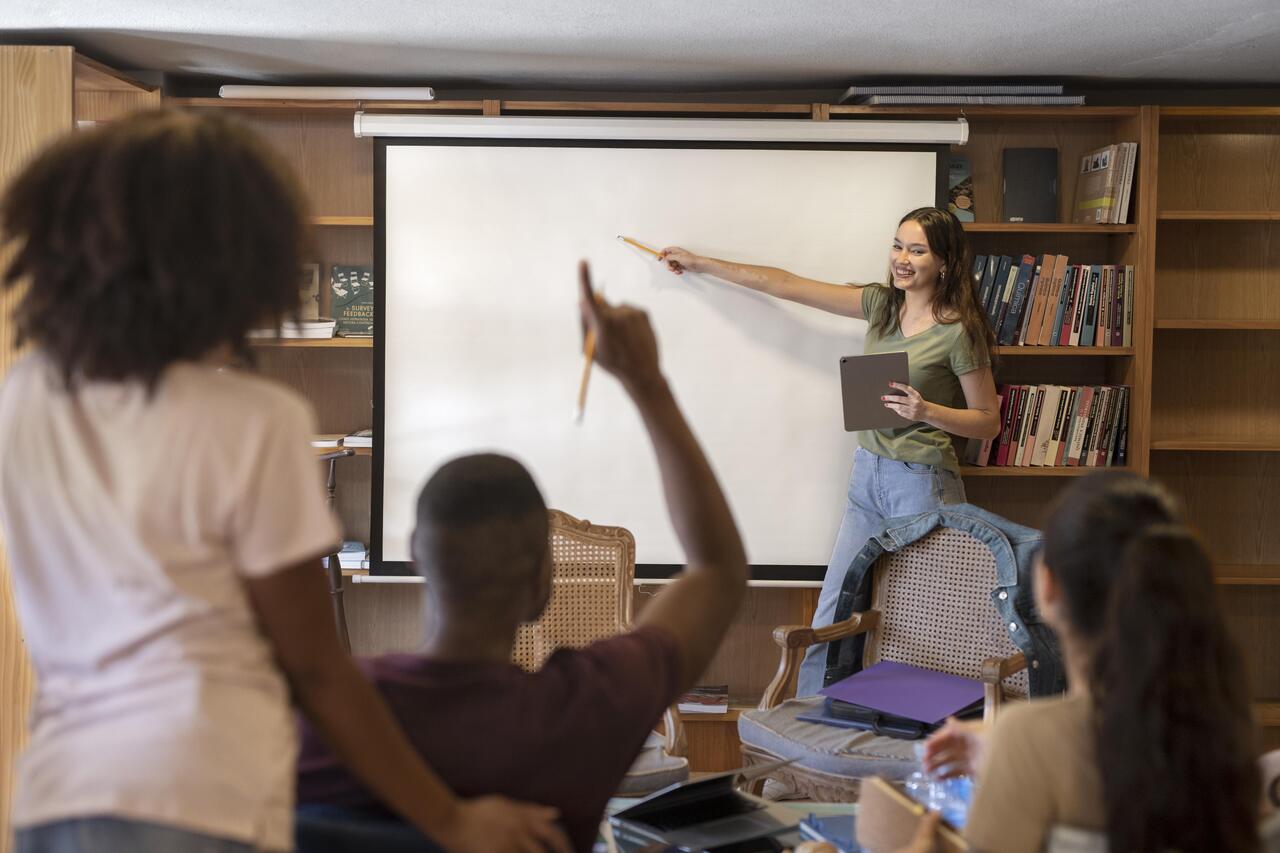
(130, 521)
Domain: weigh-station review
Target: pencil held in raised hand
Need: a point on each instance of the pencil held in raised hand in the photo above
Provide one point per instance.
(678, 260)
(624, 341)
(641, 246)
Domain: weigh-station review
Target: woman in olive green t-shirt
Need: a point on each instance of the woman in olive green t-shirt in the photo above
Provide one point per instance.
(930, 310)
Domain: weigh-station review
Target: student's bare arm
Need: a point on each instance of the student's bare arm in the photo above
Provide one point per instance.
(293, 610)
(842, 299)
(696, 609)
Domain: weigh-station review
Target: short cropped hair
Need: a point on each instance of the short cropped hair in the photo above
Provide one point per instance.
(150, 240)
(481, 527)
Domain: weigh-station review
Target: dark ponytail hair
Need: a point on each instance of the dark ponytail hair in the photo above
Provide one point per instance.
(1175, 742)
(955, 298)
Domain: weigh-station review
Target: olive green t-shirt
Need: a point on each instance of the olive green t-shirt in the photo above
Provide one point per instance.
(938, 356)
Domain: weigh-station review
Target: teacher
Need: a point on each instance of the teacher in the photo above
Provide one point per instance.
(930, 310)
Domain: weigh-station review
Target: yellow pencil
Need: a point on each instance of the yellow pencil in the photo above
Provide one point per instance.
(640, 246)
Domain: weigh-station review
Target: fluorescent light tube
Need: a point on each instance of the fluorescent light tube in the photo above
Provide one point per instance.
(331, 93)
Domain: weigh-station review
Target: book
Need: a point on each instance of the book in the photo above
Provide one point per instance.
(1117, 307)
(1129, 151)
(1089, 325)
(1053, 299)
(1029, 185)
(1121, 456)
(1017, 301)
(704, 699)
(359, 438)
(999, 288)
(1024, 392)
(289, 330)
(1039, 305)
(979, 452)
(1083, 412)
(1031, 433)
(1028, 310)
(960, 188)
(353, 555)
(352, 300)
(327, 440)
(1096, 186)
(1064, 299)
(1010, 394)
(1064, 432)
(1127, 336)
(1103, 335)
(907, 691)
(309, 292)
(1081, 302)
(1073, 306)
(1049, 417)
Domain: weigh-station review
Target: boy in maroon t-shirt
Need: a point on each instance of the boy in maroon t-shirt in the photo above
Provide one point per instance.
(565, 735)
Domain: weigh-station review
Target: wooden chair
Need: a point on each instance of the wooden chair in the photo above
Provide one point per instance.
(332, 566)
(931, 607)
(592, 571)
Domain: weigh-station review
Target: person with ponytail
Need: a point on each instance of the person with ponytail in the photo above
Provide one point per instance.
(928, 308)
(1152, 747)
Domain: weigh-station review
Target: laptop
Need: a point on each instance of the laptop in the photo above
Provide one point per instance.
(707, 814)
(864, 379)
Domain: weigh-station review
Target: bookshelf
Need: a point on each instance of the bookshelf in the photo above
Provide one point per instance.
(1216, 353)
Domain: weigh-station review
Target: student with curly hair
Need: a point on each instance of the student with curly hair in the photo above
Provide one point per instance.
(164, 515)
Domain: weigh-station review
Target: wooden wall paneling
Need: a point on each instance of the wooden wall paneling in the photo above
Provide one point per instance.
(1220, 163)
(989, 137)
(1217, 385)
(337, 381)
(1230, 498)
(384, 618)
(1022, 500)
(713, 742)
(334, 166)
(35, 108)
(1218, 270)
(1253, 615)
(107, 106)
(1079, 248)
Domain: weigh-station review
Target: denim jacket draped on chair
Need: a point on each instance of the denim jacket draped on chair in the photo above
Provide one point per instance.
(1014, 548)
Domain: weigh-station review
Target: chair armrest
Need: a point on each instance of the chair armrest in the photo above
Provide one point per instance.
(794, 639)
(673, 732)
(994, 671)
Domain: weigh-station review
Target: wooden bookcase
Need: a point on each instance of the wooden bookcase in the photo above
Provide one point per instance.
(1215, 396)
(1218, 218)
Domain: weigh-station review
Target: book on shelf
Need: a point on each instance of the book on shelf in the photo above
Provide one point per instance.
(309, 292)
(1046, 300)
(705, 699)
(327, 440)
(960, 188)
(352, 288)
(353, 555)
(359, 438)
(1044, 426)
(1029, 185)
(291, 330)
(1104, 184)
(858, 90)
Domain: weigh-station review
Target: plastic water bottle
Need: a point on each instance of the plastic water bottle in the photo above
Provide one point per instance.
(950, 797)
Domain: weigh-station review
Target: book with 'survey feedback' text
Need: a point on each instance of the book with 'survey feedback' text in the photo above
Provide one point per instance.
(352, 300)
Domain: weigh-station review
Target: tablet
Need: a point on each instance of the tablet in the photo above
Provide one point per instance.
(864, 379)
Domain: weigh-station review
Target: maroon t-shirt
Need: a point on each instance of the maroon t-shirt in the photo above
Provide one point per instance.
(563, 736)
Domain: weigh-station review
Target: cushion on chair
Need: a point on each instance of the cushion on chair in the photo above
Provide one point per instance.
(828, 749)
(653, 769)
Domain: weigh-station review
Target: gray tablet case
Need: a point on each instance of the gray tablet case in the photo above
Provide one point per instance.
(864, 379)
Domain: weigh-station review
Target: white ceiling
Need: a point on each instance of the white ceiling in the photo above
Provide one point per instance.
(668, 43)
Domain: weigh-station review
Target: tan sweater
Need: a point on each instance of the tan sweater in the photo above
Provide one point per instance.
(1039, 773)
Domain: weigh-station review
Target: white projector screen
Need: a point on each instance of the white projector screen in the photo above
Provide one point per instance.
(479, 346)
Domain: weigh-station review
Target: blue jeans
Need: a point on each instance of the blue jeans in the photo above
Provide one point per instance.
(879, 489)
(114, 835)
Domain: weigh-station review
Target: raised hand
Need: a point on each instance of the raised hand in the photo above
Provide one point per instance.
(679, 260)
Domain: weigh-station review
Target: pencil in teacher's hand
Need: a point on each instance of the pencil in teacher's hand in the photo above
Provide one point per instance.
(641, 246)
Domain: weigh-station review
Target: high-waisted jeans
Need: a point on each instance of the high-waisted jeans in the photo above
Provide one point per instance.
(879, 489)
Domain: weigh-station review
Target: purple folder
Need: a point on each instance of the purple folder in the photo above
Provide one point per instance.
(908, 691)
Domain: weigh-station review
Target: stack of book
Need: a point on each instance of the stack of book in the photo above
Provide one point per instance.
(1049, 95)
(354, 555)
(360, 438)
(322, 328)
(1047, 301)
(1057, 426)
(705, 699)
(1105, 184)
